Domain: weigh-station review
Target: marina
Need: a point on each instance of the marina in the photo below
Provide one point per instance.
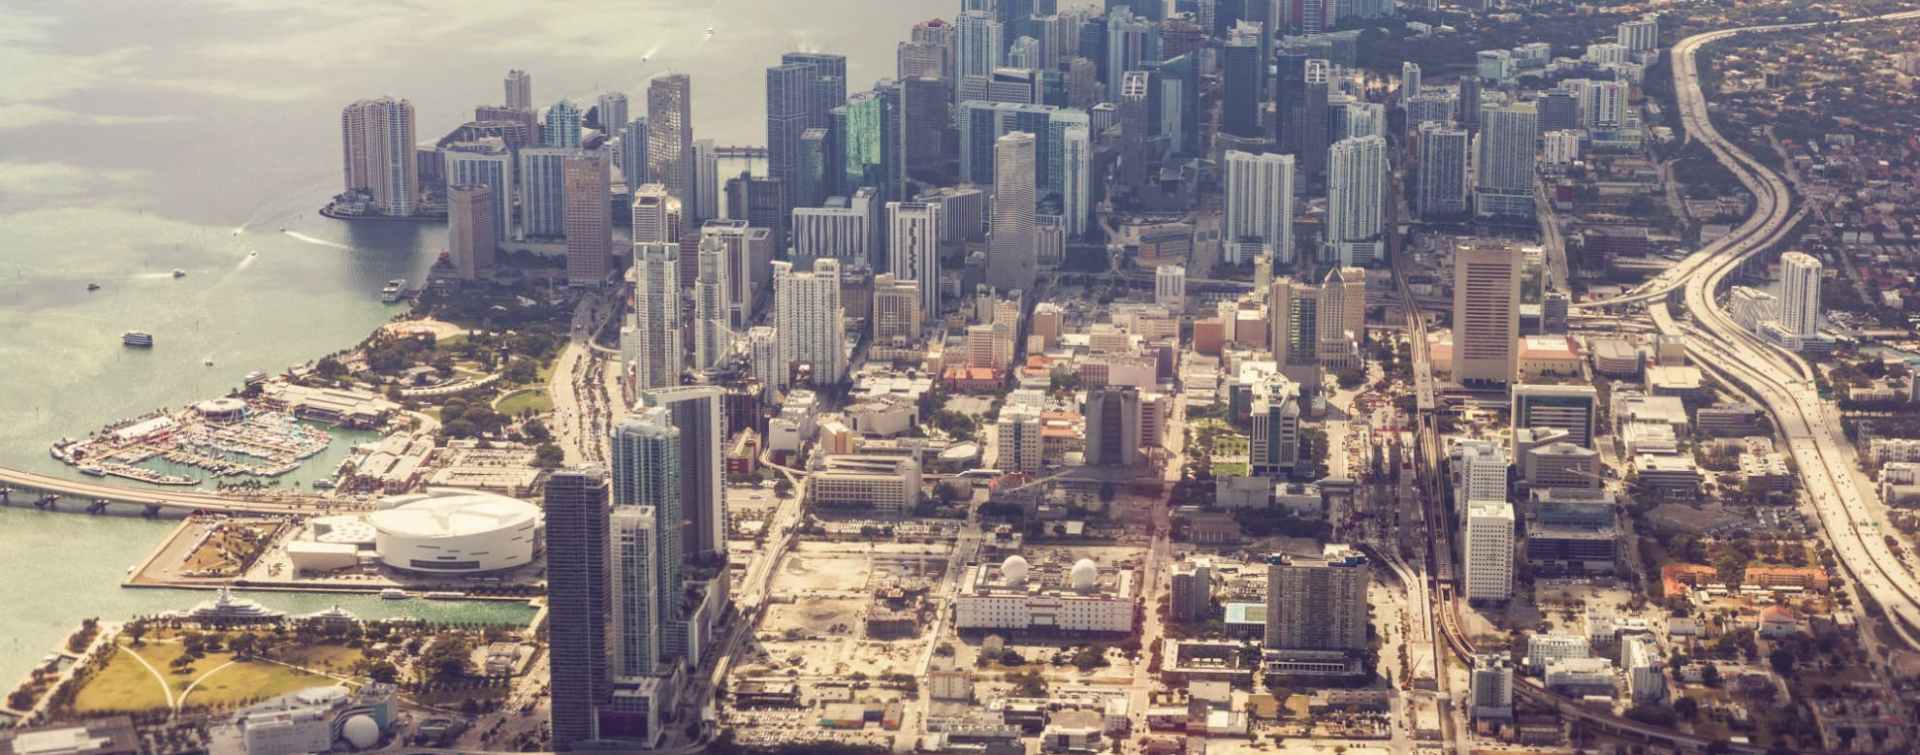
(223, 437)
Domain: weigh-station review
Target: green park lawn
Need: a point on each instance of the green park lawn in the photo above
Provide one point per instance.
(125, 685)
(534, 399)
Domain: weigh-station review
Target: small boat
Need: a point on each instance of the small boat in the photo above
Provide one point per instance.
(178, 273)
(256, 376)
(393, 593)
(93, 471)
(253, 253)
(137, 338)
(93, 287)
(394, 291)
(207, 360)
(445, 595)
(710, 32)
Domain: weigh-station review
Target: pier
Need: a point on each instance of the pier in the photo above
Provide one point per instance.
(46, 492)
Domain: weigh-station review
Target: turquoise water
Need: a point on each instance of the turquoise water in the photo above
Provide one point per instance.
(203, 137)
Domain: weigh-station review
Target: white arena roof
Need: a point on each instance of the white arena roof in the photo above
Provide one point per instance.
(451, 513)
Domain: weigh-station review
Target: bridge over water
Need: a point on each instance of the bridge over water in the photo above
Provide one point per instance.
(48, 492)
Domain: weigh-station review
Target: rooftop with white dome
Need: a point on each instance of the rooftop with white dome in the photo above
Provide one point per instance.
(1053, 595)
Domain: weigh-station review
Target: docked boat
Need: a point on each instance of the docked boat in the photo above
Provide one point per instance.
(393, 593)
(446, 595)
(226, 609)
(137, 338)
(93, 471)
(255, 377)
(394, 290)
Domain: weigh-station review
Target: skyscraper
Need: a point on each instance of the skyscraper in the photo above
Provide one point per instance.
(1341, 316)
(913, 243)
(579, 589)
(810, 321)
(656, 313)
(376, 138)
(635, 569)
(1010, 257)
(562, 125)
(929, 51)
(670, 137)
(1076, 189)
(979, 47)
(543, 195)
(712, 336)
(1113, 427)
(790, 95)
(633, 152)
(646, 472)
(487, 163)
(470, 241)
(655, 215)
(1486, 311)
(1312, 121)
(612, 111)
(1409, 80)
(1504, 184)
(519, 86)
(706, 182)
(747, 251)
(589, 222)
(1357, 181)
(830, 82)
(1800, 294)
(699, 413)
(1489, 551)
(926, 114)
(1260, 202)
(869, 131)
(896, 309)
(1318, 603)
(1131, 41)
(1442, 188)
(1245, 82)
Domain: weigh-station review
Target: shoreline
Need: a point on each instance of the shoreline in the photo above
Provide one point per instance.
(327, 211)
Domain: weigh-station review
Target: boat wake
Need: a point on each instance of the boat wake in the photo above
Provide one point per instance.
(298, 236)
(247, 261)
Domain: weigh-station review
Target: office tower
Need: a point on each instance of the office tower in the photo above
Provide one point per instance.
(913, 246)
(1311, 119)
(896, 309)
(670, 137)
(1136, 129)
(810, 321)
(1503, 184)
(1084, 90)
(656, 215)
(1560, 149)
(519, 89)
(1260, 202)
(561, 128)
(635, 570)
(915, 60)
(1024, 53)
(1409, 80)
(579, 588)
(926, 114)
(1190, 592)
(790, 96)
(699, 413)
(1010, 257)
(814, 177)
(982, 123)
(1170, 287)
(1572, 408)
(656, 312)
(1273, 447)
(869, 133)
(1469, 102)
(1176, 82)
(1113, 427)
(830, 82)
(963, 212)
(612, 111)
(589, 218)
(706, 181)
(1431, 106)
(376, 138)
(1020, 86)
(1486, 311)
(1442, 188)
(647, 466)
(1245, 83)
(1490, 688)
(1018, 431)
(1489, 551)
(543, 196)
(1317, 603)
(1341, 317)
(487, 163)
(712, 330)
(633, 153)
(1131, 41)
(1639, 34)
(937, 34)
(761, 203)
(1076, 190)
(745, 250)
(979, 48)
(1293, 322)
(1557, 110)
(470, 241)
(1357, 182)
(1479, 473)
(1800, 294)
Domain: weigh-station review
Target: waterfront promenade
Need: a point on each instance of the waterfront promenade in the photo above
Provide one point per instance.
(19, 487)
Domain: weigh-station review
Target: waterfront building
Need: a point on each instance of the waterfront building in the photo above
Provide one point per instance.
(470, 226)
(611, 111)
(589, 218)
(655, 215)
(670, 137)
(633, 153)
(561, 128)
(377, 143)
(519, 86)
(488, 163)
(543, 196)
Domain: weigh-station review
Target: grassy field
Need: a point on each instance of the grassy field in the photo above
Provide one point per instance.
(535, 399)
(126, 685)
